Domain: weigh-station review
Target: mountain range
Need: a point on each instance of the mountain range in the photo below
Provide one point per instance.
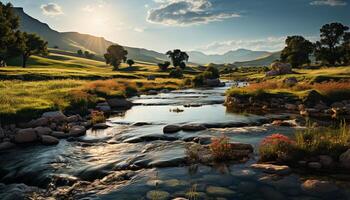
(73, 41)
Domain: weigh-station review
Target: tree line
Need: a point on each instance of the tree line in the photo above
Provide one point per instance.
(333, 48)
(13, 42)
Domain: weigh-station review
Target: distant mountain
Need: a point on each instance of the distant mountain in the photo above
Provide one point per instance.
(73, 41)
(264, 61)
(238, 55)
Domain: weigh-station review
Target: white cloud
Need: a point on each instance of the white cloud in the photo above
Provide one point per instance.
(186, 12)
(263, 44)
(88, 8)
(51, 9)
(138, 29)
(328, 3)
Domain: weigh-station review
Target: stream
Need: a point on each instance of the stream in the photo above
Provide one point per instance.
(133, 159)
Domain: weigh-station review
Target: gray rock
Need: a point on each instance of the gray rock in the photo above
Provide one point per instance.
(49, 140)
(26, 136)
(77, 131)
(193, 127)
(43, 130)
(119, 103)
(38, 122)
(56, 116)
(6, 145)
(171, 129)
(212, 82)
(73, 118)
(344, 159)
(100, 126)
(59, 134)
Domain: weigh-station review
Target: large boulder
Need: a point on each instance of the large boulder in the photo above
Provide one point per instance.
(104, 107)
(59, 134)
(77, 131)
(43, 130)
(56, 116)
(49, 140)
(344, 159)
(171, 129)
(42, 121)
(26, 136)
(291, 81)
(282, 68)
(272, 73)
(119, 103)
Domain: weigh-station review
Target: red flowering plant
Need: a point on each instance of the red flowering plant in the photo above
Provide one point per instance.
(221, 148)
(97, 117)
(276, 147)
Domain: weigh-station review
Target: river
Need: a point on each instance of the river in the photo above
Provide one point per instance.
(105, 161)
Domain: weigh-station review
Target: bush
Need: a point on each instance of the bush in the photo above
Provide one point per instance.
(198, 80)
(97, 117)
(276, 147)
(212, 73)
(176, 73)
(221, 148)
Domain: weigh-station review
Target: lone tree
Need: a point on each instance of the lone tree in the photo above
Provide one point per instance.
(10, 41)
(178, 58)
(115, 55)
(80, 52)
(130, 62)
(297, 51)
(33, 45)
(328, 49)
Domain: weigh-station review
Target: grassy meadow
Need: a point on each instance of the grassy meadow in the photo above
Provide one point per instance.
(60, 81)
(331, 82)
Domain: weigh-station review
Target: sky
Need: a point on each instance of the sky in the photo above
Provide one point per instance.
(210, 26)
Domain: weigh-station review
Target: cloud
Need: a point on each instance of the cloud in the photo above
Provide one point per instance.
(88, 8)
(138, 29)
(51, 9)
(328, 3)
(187, 12)
(263, 44)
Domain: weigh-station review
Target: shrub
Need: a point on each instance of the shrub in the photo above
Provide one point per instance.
(97, 117)
(221, 148)
(276, 147)
(198, 80)
(176, 73)
(213, 71)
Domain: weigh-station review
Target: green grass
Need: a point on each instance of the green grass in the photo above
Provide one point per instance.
(63, 81)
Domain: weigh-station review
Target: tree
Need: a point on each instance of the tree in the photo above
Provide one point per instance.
(328, 49)
(10, 42)
(164, 66)
(130, 62)
(178, 58)
(346, 49)
(80, 52)
(176, 73)
(33, 45)
(115, 55)
(297, 51)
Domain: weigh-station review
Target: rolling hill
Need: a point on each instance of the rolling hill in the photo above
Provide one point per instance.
(73, 41)
(238, 55)
(264, 61)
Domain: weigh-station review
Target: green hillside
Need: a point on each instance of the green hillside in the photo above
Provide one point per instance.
(264, 61)
(73, 41)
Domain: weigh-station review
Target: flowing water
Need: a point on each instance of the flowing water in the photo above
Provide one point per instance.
(136, 138)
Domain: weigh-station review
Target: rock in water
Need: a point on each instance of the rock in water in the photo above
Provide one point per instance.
(77, 131)
(318, 188)
(193, 127)
(56, 116)
(119, 103)
(219, 191)
(26, 136)
(171, 129)
(157, 194)
(273, 169)
(6, 145)
(43, 130)
(49, 140)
